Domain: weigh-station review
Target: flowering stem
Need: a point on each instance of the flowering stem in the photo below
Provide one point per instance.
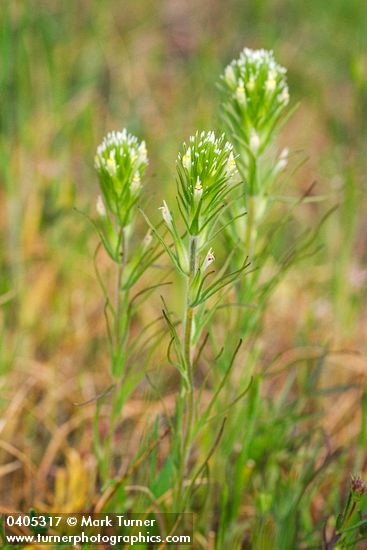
(251, 208)
(249, 240)
(120, 162)
(121, 320)
(188, 394)
(120, 342)
(189, 310)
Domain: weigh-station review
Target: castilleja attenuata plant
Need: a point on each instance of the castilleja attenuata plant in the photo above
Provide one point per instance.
(120, 162)
(254, 99)
(207, 177)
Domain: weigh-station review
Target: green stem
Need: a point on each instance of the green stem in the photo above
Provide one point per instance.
(250, 218)
(251, 177)
(122, 318)
(246, 287)
(121, 333)
(188, 394)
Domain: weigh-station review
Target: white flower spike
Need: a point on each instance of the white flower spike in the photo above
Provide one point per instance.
(121, 161)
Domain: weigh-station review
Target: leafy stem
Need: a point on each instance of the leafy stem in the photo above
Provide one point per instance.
(188, 393)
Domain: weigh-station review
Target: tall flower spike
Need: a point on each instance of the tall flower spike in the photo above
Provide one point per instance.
(206, 168)
(121, 161)
(255, 93)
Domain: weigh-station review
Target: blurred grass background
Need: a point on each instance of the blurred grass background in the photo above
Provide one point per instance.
(71, 71)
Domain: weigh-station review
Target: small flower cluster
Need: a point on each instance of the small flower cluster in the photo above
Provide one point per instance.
(207, 172)
(256, 75)
(206, 168)
(256, 88)
(205, 159)
(120, 162)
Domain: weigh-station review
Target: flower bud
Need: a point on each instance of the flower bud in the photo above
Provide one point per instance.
(209, 259)
(230, 77)
(254, 141)
(166, 214)
(231, 165)
(186, 159)
(282, 161)
(147, 241)
(240, 94)
(251, 84)
(283, 97)
(100, 207)
(136, 183)
(142, 153)
(198, 190)
(270, 84)
(111, 165)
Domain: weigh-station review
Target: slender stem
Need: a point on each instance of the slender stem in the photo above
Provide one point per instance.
(121, 307)
(189, 316)
(251, 209)
(250, 218)
(119, 272)
(188, 394)
(245, 289)
(121, 331)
